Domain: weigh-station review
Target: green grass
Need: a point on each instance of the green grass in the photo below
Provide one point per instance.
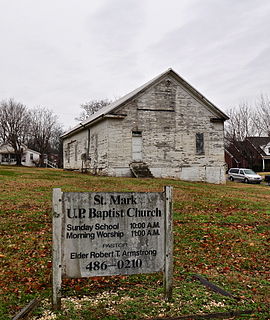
(220, 232)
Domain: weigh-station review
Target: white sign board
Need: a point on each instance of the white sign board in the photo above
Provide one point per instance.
(112, 233)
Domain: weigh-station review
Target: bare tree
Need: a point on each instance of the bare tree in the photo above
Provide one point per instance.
(91, 107)
(56, 144)
(241, 123)
(45, 131)
(245, 123)
(262, 116)
(14, 126)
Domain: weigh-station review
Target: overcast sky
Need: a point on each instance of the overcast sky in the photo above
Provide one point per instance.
(61, 53)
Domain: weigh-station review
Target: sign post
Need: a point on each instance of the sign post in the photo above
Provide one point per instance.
(168, 265)
(57, 234)
(112, 233)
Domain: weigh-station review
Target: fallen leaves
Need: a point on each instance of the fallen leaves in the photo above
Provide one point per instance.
(220, 231)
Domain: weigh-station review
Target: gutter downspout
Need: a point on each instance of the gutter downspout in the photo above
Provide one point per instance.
(88, 143)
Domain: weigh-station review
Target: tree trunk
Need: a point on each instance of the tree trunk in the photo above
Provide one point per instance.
(18, 159)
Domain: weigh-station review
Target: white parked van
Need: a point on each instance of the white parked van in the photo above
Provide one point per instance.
(244, 175)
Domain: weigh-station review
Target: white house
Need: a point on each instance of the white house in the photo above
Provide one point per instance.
(165, 128)
(8, 157)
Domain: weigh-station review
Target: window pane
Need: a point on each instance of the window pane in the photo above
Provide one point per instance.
(199, 143)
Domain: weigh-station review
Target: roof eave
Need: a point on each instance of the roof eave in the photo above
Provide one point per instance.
(90, 123)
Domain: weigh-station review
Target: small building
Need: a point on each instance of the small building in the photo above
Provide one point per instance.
(30, 158)
(259, 150)
(165, 128)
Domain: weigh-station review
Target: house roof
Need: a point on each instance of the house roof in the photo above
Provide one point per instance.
(116, 104)
(258, 143)
(233, 150)
(7, 148)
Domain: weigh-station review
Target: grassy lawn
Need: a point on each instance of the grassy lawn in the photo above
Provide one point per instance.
(221, 232)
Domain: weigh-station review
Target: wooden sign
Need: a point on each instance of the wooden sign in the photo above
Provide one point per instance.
(112, 233)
